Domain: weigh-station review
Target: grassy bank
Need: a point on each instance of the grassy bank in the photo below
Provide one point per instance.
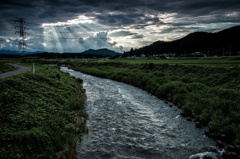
(209, 94)
(41, 114)
(4, 67)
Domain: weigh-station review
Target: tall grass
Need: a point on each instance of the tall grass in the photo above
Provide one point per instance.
(41, 114)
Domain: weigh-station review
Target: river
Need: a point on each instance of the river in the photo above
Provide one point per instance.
(126, 122)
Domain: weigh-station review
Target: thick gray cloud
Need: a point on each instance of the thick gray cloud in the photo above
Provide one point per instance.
(139, 36)
(122, 33)
(127, 33)
(127, 14)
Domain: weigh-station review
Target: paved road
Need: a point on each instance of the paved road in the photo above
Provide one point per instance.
(21, 69)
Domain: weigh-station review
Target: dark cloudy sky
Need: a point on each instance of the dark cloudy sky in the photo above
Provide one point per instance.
(78, 25)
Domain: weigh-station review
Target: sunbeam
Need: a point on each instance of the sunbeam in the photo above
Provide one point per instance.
(76, 35)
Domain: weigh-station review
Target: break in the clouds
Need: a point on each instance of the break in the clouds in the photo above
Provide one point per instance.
(75, 26)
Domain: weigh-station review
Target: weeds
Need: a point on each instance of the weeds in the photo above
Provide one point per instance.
(41, 114)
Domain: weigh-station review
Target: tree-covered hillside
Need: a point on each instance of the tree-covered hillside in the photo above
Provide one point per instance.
(211, 44)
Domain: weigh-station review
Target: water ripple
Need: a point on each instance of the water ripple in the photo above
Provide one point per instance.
(127, 122)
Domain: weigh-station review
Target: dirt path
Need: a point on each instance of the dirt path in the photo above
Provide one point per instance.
(21, 69)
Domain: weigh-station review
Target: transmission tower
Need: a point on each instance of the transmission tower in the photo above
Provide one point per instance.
(21, 42)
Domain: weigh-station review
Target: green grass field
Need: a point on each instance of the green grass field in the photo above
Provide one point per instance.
(206, 61)
(4, 67)
(41, 114)
(209, 62)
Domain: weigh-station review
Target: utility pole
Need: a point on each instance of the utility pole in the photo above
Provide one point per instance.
(21, 42)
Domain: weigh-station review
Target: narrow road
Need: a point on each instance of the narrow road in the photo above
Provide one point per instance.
(21, 69)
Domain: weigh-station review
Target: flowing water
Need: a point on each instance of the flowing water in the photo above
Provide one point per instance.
(127, 122)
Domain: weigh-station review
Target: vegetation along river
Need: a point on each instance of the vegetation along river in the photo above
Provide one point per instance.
(127, 122)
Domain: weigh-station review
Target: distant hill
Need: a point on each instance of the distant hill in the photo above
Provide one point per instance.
(10, 52)
(213, 43)
(90, 51)
(101, 52)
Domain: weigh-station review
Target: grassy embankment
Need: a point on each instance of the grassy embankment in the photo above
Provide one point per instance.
(6, 67)
(41, 114)
(209, 94)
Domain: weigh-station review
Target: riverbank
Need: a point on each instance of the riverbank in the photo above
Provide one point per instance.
(211, 95)
(41, 114)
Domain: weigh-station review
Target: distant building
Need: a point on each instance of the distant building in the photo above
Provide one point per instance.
(197, 53)
(160, 56)
(171, 54)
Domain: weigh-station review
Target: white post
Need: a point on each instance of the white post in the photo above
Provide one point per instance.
(33, 68)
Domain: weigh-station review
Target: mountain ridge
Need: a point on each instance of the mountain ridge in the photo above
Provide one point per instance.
(223, 41)
(103, 51)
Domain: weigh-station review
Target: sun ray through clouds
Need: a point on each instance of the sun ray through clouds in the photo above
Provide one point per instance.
(75, 35)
